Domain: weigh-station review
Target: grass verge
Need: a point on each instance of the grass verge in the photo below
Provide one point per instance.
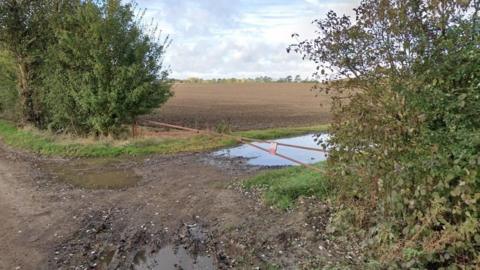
(283, 187)
(275, 133)
(47, 144)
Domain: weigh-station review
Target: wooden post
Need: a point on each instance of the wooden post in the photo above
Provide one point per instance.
(134, 126)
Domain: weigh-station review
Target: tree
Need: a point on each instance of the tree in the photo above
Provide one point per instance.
(298, 79)
(104, 70)
(26, 32)
(406, 78)
(8, 90)
(22, 29)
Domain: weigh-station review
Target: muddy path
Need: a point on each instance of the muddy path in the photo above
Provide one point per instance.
(180, 212)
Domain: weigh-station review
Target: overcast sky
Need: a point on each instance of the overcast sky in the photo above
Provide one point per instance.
(237, 38)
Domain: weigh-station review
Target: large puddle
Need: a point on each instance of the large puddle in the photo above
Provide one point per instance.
(257, 157)
(94, 174)
(172, 258)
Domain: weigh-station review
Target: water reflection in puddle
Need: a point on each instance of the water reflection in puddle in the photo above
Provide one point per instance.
(93, 174)
(257, 157)
(172, 258)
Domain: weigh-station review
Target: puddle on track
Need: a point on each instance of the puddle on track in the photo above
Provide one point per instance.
(93, 174)
(172, 258)
(257, 157)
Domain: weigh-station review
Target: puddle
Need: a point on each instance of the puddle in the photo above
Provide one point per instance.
(93, 174)
(258, 157)
(172, 258)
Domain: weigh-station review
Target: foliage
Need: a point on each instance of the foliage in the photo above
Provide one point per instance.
(406, 129)
(82, 66)
(25, 32)
(8, 90)
(284, 186)
(223, 127)
(104, 69)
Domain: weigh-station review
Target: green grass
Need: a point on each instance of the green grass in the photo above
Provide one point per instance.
(275, 133)
(283, 187)
(47, 144)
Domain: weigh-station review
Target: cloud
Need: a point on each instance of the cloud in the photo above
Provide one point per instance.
(244, 38)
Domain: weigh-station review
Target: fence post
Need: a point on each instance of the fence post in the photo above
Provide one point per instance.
(134, 127)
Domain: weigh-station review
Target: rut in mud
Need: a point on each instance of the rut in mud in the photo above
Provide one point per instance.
(174, 211)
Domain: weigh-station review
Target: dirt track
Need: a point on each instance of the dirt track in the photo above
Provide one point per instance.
(245, 105)
(188, 201)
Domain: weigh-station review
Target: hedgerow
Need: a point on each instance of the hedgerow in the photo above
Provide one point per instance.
(406, 134)
(81, 67)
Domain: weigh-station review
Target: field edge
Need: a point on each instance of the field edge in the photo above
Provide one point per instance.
(48, 144)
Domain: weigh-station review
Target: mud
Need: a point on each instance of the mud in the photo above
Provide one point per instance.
(184, 210)
(93, 174)
(171, 258)
(189, 252)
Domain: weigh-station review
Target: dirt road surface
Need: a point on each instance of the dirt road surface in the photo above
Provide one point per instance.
(189, 203)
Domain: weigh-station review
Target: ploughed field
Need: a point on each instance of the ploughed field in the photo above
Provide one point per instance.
(244, 106)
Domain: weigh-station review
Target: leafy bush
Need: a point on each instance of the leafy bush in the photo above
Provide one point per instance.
(81, 66)
(407, 131)
(25, 32)
(104, 70)
(8, 90)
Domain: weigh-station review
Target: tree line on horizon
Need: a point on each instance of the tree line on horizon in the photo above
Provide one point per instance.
(260, 79)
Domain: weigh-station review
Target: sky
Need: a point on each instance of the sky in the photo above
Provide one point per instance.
(237, 38)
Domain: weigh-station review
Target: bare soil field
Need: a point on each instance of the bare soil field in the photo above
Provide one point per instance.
(187, 205)
(245, 106)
